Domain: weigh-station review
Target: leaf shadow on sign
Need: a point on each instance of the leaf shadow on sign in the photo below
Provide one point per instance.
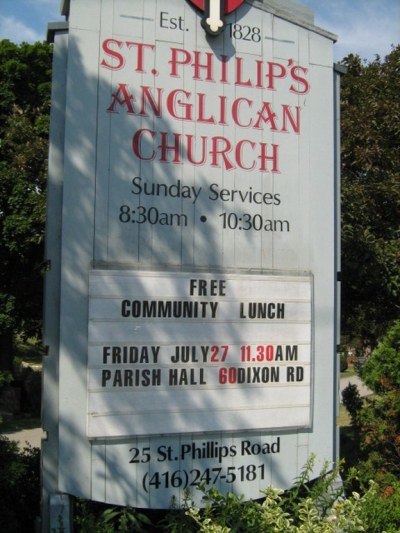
(107, 226)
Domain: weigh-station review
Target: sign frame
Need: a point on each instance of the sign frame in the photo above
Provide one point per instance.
(226, 342)
(74, 165)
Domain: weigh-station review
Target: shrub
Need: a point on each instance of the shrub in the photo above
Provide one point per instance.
(224, 514)
(381, 371)
(379, 420)
(382, 510)
(316, 507)
(19, 487)
(92, 517)
(353, 402)
(380, 435)
(344, 364)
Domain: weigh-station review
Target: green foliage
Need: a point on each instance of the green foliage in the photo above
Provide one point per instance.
(324, 491)
(92, 518)
(379, 419)
(381, 371)
(19, 487)
(344, 365)
(24, 75)
(308, 507)
(25, 81)
(370, 195)
(379, 422)
(353, 402)
(382, 510)
(317, 507)
(5, 378)
(280, 512)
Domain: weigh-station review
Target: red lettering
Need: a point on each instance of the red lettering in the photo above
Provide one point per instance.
(224, 69)
(116, 56)
(191, 140)
(264, 158)
(216, 151)
(174, 148)
(239, 155)
(147, 96)
(275, 70)
(269, 356)
(222, 110)
(122, 97)
(118, 59)
(208, 66)
(173, 101)
(294, 121)
(201, 107)
(141, 47)
(239, 74)
(137, 144)
(235, 112)
(299, 79)
(223, 378)
(228, 375)
(266, 115)
(260, 74)
(178, 57)
(221, 147)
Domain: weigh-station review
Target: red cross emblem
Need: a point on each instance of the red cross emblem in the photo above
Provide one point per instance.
(214, 12)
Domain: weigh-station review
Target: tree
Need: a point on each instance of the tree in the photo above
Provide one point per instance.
(370, 196)
(25, 81)
(379, 419)
(381, 371)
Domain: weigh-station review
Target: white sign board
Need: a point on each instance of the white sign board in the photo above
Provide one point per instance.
(202, 143)
(189, 353)
(194, 336)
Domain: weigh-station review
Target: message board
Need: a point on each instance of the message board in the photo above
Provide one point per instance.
(199, 354)
(193, 337)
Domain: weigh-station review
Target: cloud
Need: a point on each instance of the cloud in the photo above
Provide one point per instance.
(364, 29)
(45, 7)
(361, 42)
(16, 31)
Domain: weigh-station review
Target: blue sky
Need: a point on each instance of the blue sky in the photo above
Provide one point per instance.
(364, 27)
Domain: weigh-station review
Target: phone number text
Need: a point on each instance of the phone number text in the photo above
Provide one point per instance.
(184, 479)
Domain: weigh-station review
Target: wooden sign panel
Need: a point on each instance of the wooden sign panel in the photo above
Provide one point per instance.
(202, 144)
(196, 334)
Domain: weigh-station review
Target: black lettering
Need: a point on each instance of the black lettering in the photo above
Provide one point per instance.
(105, 377)
(214, 193)
(163, 19)
(125, 308)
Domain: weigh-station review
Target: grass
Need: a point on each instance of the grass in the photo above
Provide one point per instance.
(349, 439)
(343, 419)
(29, 351)
(349, 373)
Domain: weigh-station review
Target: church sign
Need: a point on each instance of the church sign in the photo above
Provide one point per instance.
(193, 327)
